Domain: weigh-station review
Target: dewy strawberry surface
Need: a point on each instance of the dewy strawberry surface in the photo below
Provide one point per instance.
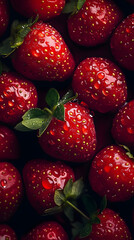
(66, 119)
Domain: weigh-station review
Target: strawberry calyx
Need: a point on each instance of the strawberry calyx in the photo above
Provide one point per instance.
(67, 200)
(128, 152)
(39, 119)
(73, 6)
(17, 34)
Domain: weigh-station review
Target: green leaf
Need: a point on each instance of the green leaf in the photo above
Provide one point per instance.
(52, 97)
(34, 123)
(21, 127)
(1, 68)
(80, 4)
(34, 113)
(70, 7)
(86, 230)
(76, 228)
(103, 203)
(5, 48)
(59, 197)
(69, 212)
(69, 96)
(89, 204)
(51, 211)
(77, 188)
(68, 188)
(95, 220)
(59, 112)
(45, 125)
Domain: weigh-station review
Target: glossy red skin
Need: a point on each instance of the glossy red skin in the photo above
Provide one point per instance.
(4, 16)
(112, 227)
(41, 179)
(45, 9)
(72, 140)
(112, 174)
(9, 144)
(7, 233)
(44, 55)
(11, 190)
(94, 22)
(17, 95)
(48, 231)
(100, 83)
(123, 125)
(122, 46)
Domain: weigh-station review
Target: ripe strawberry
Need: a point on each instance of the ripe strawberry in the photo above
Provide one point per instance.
(41, 179)
(17, 95)
(7, 233)
(123, 125)
(122, 45)
(100, 84)
(47, 230)
(73, 139)
(45, 9)
(112, 226)
(112, 174)
(93, 23)
(9, 144)
(10, 190)
(43, 55)
(4, 16)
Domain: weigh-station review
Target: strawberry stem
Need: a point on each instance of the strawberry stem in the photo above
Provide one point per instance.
(78, 210)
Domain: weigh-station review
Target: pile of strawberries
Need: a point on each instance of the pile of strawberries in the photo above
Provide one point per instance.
(66, 119)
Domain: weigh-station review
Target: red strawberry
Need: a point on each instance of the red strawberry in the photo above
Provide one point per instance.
(112, 226)
(45, 9)
(41, 179)
(4, 16)
(100, 84)
(10, 190)
(47, 230)
(43, 55)
(93, 23)
(17, 95)
(7, 233)
(123, 125)
(9, 144)
(73, 139)
(122, 43)
(112, 174)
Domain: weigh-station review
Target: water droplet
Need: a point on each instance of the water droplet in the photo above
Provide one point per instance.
(1, 99)
(128, 30)
(10, 103)
(65, 127)
(85, 130)
(3, 183)
(101, 75)
(105, 92)
(47, 183)
(96, 85)
(94, 96)
(51, 142)
(52, 132)
(79, 117)
(123, 121)
(5, 94)
(100, 171)
(130, 130)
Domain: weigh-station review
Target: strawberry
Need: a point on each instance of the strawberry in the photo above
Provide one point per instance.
(17, 95)
(11, 190)
(111, 226)
(123, 125)
(45, 9)
(41, 179)
(93, 22)
(122, 46)
(47, 230)
(40, 53)
(4, 16)
(112, 173)
(7, 233)
(70, 132)
(9, 144)
(100, 84)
